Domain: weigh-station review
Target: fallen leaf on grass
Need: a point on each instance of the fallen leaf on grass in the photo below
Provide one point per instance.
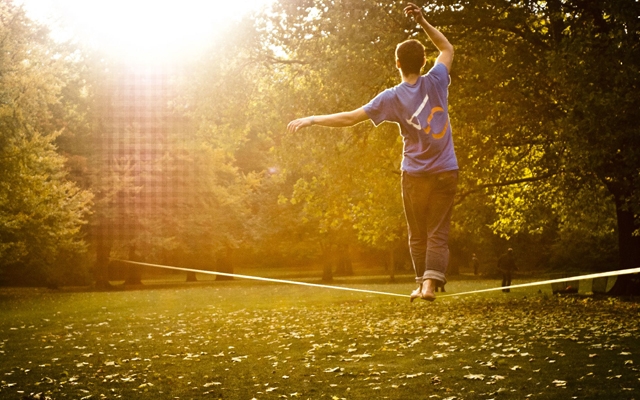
(479, 377)
(559, 383)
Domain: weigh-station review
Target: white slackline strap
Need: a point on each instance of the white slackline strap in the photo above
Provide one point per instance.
(258, 278)
(573, 278)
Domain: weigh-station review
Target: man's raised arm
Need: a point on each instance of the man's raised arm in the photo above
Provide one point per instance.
(436, 37)
(342, 119)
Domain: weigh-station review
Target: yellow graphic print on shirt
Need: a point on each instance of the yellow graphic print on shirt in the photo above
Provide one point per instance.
(440, 134)
(434, 110)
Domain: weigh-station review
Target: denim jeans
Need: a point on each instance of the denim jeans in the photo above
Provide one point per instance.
(428, 203)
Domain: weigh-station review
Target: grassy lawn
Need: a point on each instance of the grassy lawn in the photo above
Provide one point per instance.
(245, 340)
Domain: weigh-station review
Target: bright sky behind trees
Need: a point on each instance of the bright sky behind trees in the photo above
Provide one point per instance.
(141, 31)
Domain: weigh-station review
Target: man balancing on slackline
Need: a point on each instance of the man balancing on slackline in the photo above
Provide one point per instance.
(429, 164)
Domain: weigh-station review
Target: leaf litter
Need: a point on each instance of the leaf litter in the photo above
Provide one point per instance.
(341, 349)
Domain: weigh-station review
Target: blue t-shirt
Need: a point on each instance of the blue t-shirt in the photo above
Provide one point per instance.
(422, 113)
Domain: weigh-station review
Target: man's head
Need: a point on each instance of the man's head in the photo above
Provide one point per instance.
(410, 57)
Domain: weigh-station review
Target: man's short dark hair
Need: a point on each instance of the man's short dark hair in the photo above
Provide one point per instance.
(410, 53)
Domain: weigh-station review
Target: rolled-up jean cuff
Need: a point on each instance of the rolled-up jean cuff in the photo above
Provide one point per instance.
(430, 274)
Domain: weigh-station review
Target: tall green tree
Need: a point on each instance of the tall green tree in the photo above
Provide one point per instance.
(545, 96)
(329, 58)
(41, 210)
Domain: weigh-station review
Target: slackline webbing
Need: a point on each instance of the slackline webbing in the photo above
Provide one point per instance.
(258, 278)
(550, 281)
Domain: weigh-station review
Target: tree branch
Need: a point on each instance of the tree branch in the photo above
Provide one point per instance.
(463, 195)
(275, 60)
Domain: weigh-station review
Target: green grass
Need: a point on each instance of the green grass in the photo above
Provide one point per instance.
(245, 340)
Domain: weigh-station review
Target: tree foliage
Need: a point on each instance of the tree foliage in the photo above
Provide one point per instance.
(543, 100)
(545, 95)
(330, 59)
(41, 210)
(543, 103)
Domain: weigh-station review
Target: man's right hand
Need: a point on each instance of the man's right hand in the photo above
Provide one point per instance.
(414, 12)
(438, 39)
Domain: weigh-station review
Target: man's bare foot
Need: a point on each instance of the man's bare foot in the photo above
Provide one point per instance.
(416, 294)
(428, 290)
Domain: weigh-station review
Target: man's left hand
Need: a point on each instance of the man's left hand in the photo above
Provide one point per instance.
(299, 123)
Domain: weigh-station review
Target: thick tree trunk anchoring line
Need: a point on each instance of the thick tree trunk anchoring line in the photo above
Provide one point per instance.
(629, 245)
(258, 278)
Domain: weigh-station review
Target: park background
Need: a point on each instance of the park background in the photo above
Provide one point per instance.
(186, 161)
(129, 131)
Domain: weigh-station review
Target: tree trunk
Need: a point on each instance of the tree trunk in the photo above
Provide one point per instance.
(392, 263)
(103, 252)
(180, 259)
(191, 276)
(629, 248)
(344, 266)
(134, 271)
(327, 262)
(225, 265)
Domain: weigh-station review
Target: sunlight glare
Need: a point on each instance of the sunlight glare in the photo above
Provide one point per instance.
(141, 30)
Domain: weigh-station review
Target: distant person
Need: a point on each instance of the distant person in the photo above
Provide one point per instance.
(419, 105)
(475, 263)
(506, 265)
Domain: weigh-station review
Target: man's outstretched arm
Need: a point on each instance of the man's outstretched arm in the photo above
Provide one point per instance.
(436, 37)
(338, 120)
